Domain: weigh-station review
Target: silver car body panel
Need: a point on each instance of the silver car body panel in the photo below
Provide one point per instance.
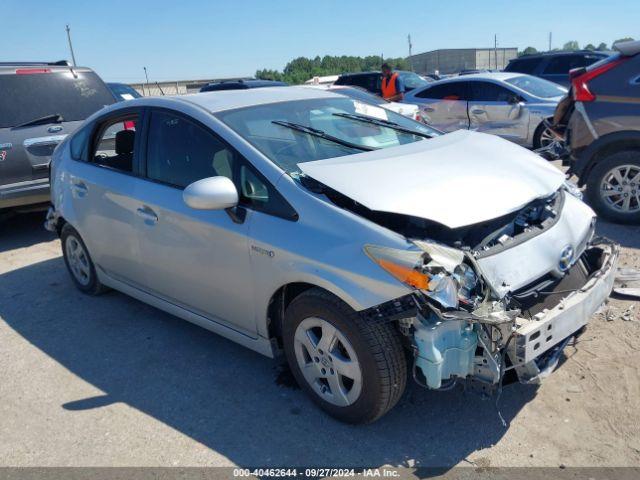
(497, 179)
(515, 122)
(173, 261)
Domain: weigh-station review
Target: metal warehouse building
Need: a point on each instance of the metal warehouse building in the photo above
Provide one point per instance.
(454, 60)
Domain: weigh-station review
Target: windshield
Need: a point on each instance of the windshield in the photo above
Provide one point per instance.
(537, 87)
(412, 80)
(26, 97)
(287, 146)
(359, 94)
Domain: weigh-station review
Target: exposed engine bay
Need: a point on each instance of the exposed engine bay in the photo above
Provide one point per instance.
(500, 296)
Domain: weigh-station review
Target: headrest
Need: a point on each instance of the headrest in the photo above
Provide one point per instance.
(124, 141)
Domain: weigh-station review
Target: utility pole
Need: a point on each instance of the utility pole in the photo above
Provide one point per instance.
(550, 34)
(147, 77)
(410, 59)
(73, 57)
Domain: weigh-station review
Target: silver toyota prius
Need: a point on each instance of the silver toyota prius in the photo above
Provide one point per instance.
(366, 247)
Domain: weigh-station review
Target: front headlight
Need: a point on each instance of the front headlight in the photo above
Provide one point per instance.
(573, 189)
(436, 270)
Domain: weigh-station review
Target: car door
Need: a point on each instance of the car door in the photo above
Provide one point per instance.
(498, 110)
(102, 182)
(444, 105)
(197, 259)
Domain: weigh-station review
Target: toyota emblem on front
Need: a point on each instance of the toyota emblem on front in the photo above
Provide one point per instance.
(566, 258)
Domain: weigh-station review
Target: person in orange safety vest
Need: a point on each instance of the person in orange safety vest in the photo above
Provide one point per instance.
(392, 86)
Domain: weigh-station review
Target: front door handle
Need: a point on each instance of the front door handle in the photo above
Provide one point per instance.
(428, 109)
(478, 111)
(148, 215)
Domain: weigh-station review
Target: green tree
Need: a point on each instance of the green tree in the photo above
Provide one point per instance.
(302, 69)
(590, 46)
(571, 45)
(528, 51)
(602, 47)
(620, 40)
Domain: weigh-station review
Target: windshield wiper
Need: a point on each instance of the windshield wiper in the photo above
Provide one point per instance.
(55, 118)
(383, 123)
(321, 134)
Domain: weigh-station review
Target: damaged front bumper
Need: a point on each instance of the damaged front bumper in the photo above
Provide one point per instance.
(457, 345)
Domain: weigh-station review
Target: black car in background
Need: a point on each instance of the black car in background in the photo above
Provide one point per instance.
(123, 92)
(372, 81)
(40, 104)
(554, 66)
(241, 84)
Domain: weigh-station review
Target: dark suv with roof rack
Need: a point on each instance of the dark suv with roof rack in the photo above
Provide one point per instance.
(554, 66)
(41, 104)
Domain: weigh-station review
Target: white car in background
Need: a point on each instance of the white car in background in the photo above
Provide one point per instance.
(406, 109)
(510, 105)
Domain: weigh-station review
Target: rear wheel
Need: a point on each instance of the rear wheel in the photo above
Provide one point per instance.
(353, 369)
(613, 187)
(79, 263)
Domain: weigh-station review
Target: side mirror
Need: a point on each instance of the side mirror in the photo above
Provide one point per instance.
(213, 193)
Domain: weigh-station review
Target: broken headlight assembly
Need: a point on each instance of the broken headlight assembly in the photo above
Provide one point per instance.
(438, 271)
(572, 188)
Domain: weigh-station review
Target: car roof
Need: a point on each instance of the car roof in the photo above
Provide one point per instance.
(11, 67)
(499, 76)
(221, 100)
(561, 53)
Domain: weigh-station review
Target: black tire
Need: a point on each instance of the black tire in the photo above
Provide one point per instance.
(595, 179)
(377, 346)
(92, 285)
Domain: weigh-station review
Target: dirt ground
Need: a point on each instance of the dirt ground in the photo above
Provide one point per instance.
(110, 381)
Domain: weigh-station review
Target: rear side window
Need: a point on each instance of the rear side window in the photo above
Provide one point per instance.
(446, 91)
(563, 63)
(27, 96)
(114, 144)
(523, 65)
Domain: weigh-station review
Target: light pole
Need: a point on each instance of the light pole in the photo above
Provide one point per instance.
(73, 57)
(147, 77)
(410, 59)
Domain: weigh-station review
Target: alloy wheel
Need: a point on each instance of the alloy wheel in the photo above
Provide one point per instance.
(546, 138)
(620, 188)
(78, 260)
(328, 362)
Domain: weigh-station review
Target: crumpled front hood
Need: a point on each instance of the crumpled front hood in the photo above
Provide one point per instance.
(457, 179)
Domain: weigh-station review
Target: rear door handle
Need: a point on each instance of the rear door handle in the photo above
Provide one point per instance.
(148, 215)
(428, 109)
(478, 111)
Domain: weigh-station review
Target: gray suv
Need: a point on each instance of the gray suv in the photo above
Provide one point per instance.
(41, 104)
(602, 118)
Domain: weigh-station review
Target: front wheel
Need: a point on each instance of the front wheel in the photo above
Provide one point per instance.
(354, 369)
(613, 187)
(543, 137)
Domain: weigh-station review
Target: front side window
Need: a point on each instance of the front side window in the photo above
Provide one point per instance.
(115, 141)
(180, 152)
(563, 63)
(523, 65)
(490, 92)
(300, 131)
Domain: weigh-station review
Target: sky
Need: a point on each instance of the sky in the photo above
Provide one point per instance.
(182, 39)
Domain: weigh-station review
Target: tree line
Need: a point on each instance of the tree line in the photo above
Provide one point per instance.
(302, 69)
(572, 45)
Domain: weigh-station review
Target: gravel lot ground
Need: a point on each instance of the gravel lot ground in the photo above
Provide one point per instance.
(109, 381)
